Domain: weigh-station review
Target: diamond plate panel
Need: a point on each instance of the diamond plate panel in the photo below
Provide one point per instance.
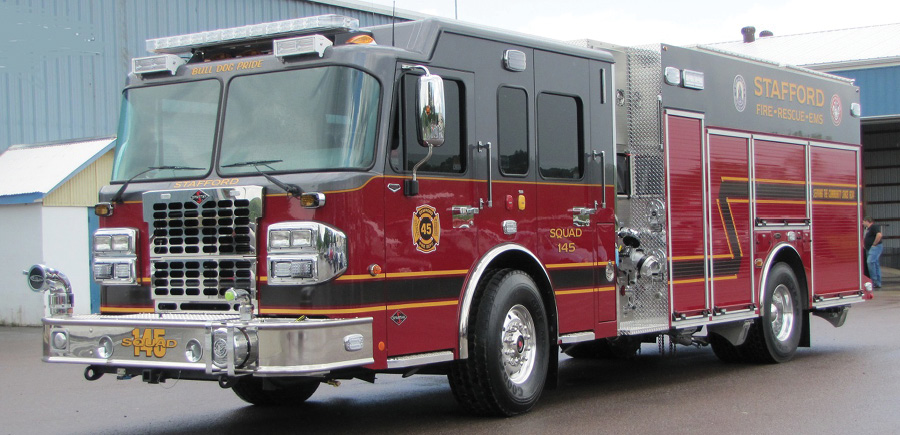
(646, 308)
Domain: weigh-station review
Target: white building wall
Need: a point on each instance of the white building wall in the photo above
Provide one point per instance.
(65, 245)
(20, 247)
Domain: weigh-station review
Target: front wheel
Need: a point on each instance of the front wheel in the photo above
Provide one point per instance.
(508, 348)
(775, 337)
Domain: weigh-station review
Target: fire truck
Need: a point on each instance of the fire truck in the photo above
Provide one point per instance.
(305, 201)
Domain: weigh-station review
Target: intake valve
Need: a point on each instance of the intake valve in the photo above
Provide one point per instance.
(635, 260)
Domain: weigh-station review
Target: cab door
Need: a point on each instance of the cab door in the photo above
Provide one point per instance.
(602, 171)
(429, 246)
(564, 197)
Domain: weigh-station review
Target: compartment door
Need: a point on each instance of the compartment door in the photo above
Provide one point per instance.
(730, 222)
(687, 217)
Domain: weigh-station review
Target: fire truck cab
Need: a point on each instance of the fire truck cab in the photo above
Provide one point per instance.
(305, 201)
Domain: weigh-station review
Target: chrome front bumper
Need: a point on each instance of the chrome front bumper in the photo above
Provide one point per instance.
(214, 344)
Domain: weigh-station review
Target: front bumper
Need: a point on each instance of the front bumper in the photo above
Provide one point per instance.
(214, 344)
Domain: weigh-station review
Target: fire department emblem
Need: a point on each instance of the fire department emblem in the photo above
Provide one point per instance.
(739, 91)
(426, 228)
(199, 196)
(837, 110)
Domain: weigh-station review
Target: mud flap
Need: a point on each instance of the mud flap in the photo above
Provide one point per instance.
(804, 332)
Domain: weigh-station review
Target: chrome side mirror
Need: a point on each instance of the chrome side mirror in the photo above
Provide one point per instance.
(430, 109)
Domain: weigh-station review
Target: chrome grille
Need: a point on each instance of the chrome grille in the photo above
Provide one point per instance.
(199, 285)
(214, 227)
(202, 243)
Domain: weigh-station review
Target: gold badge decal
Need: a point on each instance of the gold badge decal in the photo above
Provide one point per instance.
(152, 342)
(426, 228)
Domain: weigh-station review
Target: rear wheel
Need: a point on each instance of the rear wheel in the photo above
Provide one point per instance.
(274, 392)
(774, 339)
(508, 348)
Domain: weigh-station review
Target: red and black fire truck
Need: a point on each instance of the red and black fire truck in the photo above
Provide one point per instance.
(306, 201)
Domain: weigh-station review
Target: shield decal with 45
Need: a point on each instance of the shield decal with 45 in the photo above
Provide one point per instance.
(426, 228)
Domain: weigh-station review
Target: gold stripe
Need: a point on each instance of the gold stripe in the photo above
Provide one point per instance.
(724, 229)
(701, 257)
(574, 292)
(737, 201)
(423, 305)
(300, 311)
(715, 278)
(360, 277)
(765, 180)
(585, 290)
(570, 265)
(735, 179)
(125, 310)
(688, 257)
(328, 192)
(427, 273)
(736, 236)
(145, 280)
(688, 281)
(836, 184)
(779, 201)
(834, 203)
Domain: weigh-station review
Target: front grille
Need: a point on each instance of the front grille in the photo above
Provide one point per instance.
(202, 243)
(215, 227)
(209, 278)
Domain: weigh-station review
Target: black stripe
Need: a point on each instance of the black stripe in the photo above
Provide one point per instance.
(780, 191)
(572, 278)
(125, 296)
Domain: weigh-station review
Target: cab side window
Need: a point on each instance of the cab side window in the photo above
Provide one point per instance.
(559, 135)
(405, 149)
(512, 130)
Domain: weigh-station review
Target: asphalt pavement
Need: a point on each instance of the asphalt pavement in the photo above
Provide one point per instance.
(847, 382)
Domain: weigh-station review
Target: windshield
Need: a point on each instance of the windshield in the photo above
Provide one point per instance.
(167, 126)
(300, 120)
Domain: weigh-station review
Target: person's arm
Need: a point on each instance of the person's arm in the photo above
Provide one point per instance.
(877, 239)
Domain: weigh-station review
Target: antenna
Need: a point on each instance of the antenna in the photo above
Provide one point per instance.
(456, 9)
(393, 21)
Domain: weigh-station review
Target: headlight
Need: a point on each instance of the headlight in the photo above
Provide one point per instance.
(115, 241)
(301, 238)
(115, 259)
(102, 243)
(281, 239)
(121, 242)
(303, 253)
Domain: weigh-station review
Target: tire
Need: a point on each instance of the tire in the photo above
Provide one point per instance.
(508, 348)
(724, 350)
(293, 392)
(775, 337)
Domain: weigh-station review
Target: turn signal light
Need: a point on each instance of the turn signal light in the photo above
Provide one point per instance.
(103, 209)
(361, 39)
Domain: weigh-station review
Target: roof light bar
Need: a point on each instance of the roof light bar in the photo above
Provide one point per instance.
(301, 45)
(294, 27)
(153, 64)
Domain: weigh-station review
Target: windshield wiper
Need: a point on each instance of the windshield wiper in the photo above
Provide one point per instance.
(289, 188)
(117, 198)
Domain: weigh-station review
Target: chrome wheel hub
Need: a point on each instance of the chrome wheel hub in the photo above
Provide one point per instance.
(782, 310)
(518, 344)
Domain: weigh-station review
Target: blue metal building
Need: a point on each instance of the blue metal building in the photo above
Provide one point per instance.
(63, 63)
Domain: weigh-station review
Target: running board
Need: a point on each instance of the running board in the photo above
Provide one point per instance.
(419, 359)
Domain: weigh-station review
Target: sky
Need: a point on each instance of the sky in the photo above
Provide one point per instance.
(636, 22)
